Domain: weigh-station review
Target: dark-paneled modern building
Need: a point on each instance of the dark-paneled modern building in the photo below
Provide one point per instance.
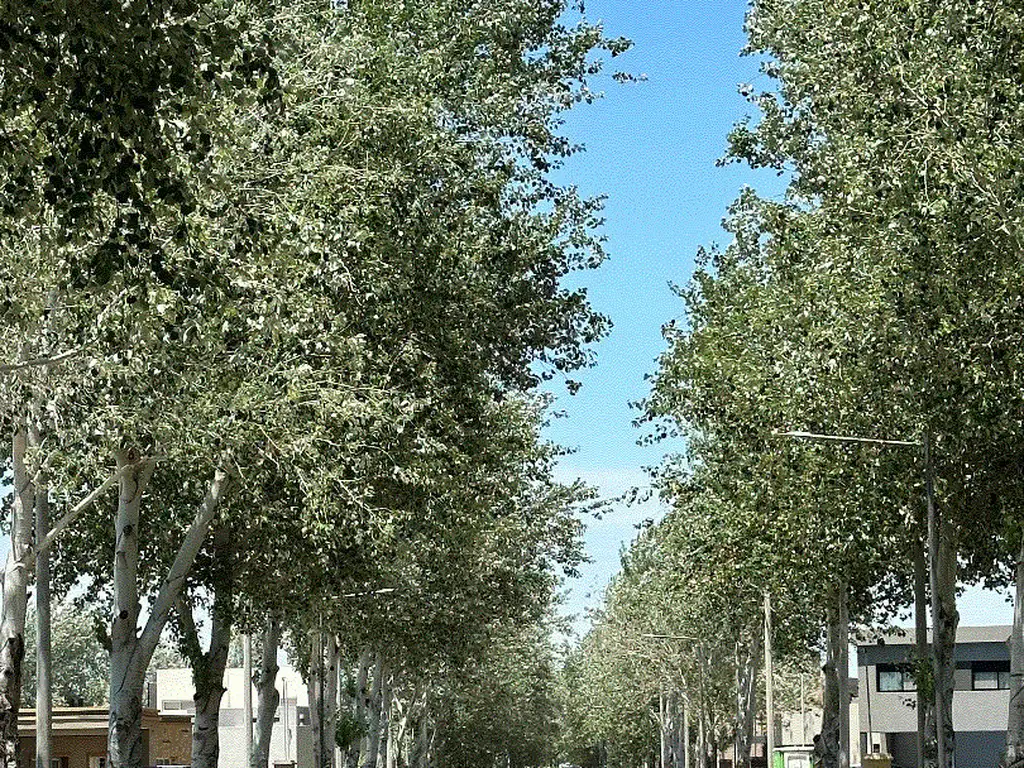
(888, 714)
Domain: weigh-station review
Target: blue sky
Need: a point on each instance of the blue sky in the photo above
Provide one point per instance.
(651, 148)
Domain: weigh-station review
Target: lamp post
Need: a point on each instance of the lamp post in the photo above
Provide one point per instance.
(924, 444)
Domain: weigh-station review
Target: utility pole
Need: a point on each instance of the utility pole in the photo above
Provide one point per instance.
(769, 683)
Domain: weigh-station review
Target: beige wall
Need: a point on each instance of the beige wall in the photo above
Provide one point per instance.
(171, 742)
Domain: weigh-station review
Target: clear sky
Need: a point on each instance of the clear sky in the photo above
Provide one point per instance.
(651, 147)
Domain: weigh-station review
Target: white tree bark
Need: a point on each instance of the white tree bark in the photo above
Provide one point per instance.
(359, 708)
(373, 715)
(267, 697)
(15, 591)
(746, 704)
(385, 719)
(44, 699)
(131, 651)
(330, 728)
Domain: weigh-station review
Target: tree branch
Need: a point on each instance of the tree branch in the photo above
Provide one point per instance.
(187, 552)
(71, 516)
(40, 361)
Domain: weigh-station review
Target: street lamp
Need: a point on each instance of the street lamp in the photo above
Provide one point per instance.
(933, 571)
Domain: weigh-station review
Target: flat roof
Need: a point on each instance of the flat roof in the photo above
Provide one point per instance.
(998, 633)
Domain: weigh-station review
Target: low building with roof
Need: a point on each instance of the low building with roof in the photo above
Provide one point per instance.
(79, 737)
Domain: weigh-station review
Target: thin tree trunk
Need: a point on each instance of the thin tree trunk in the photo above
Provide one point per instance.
(385, 718)
(843, 670)
(15, 604)
(925, 691)
(267, 697)
(130, 651)
(373, 712)
(828, 747)
(44, 700)
(746, 704)
(331, 702)
(686, 732)
(127, 670)
(315, 690)
(208, 668)
(359, 708)
(418, 758)
(1014, 757)
(663, 726)
(944, 630)
(702, 699)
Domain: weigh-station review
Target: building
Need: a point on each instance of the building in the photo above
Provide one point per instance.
(80, 737)
(888, 716)
(290, 742)
(798, 728)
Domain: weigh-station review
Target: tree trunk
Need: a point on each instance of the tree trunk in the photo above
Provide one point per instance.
(15, 604)
(359, 708)
(746, 704)
(843, 670)
(945, 624)
(127, 670)
(330, 744)
(922, 666)
(130, 651)
(1014, 757)
(829, 747)
(44, 697)
(323, 694)
(663, 726)
(208, 668)
(373, 715)
(686, 733)
(267, 697)
(385, 719)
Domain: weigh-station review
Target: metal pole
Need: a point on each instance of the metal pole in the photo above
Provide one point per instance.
(769, 686)
(933, 569)
(247, 693)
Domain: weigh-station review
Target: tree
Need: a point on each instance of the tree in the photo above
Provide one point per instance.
(79, 661)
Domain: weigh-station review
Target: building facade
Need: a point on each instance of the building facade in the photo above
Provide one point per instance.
(79, 737)
(888, 712)
(290, 743)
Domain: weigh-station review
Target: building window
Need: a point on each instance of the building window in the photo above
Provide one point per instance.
(990, 675)
(895, 678)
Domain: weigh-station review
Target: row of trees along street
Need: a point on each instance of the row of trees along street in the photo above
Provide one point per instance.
(881, 298)
(279, 282)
